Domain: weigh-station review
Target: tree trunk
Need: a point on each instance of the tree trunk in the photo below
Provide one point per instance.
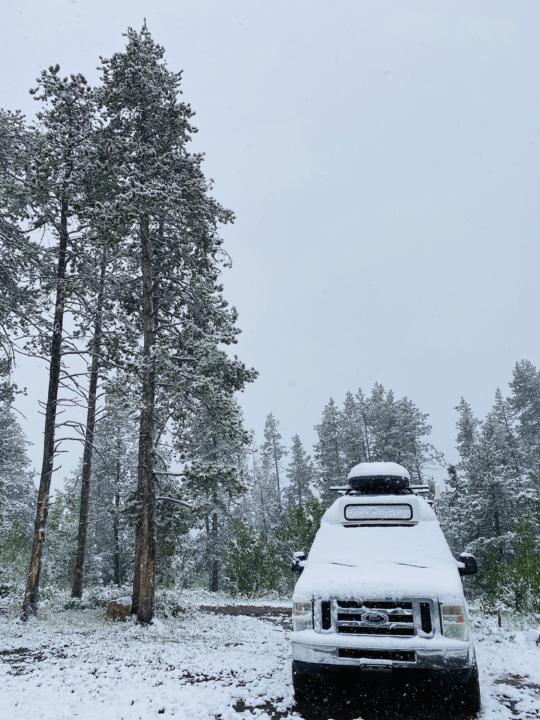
(78, 571)
(366, 439)
(30, 600)
(416, 462)
(136, 569)
(145, 559)
(214, 560)
(277, 471)
(261, 496)
(116, 530)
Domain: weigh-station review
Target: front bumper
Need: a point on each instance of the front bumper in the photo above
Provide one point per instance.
(416, 679)
(437, 653)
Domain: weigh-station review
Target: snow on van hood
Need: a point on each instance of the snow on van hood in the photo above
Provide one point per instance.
(366, 561)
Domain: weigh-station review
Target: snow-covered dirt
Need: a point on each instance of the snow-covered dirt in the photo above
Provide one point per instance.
(218, 662)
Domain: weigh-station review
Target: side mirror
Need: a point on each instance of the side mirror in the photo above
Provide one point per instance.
(298, 561)
(467, 564)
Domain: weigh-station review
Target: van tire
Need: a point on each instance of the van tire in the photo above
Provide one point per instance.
(306, 690)
(467, 697)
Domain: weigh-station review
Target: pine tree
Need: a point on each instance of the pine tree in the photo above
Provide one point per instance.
(329, 454)
(414, 451)
(272, 453)
(174, 300)
(494, 478)
(19, 256)
(454, 506)
(525, 402)
(17, 491)
(112, 487)
(86, 473)
(354, 431)
(467, 430)
(490, 490)
(385, 431)
(300, 474)
(251, 564)
(56, 194)
(297, 534)
(257, 506)
(214, 476)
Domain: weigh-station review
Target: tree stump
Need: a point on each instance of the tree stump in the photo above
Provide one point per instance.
(119, 609)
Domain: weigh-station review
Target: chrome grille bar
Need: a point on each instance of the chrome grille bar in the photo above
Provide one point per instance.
(404, 618)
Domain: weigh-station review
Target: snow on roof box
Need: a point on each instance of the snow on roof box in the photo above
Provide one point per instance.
(379, 477)
(372, 469)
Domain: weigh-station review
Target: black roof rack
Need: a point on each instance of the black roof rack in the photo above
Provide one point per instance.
(411, 490)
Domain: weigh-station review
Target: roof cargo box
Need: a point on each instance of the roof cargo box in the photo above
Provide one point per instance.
(379, 478)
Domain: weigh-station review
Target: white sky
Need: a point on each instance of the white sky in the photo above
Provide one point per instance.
(383, 162)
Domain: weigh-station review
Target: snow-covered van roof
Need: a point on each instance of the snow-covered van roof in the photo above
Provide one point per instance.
(380, 557)
(353, 508)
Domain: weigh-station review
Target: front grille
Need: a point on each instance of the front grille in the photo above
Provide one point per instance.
(326, 615)
(425, 618)
(359, 630)
(394, 655)
(401, 618)
(354, 617)
(375, 604)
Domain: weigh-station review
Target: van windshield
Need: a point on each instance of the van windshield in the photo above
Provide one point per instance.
(420, 546)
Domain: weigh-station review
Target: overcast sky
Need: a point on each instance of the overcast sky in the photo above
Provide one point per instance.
(383, 160)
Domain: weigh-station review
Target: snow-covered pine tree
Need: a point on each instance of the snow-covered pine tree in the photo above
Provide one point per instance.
(329, 453)
(19, 256)
(110, 519)
(272, 453)
(378, 427)
(467, 431)
(112, 488)
(251, 562)
(257, 504)
(453, 506)
(95, 362)
(495, 484)
(173, 259)
(492, 491)
(97, 290)
(300, 474)
(385, 433)
(355, 439)
(17, 491)
(525, 402)
(215, 473)
(55, 196)
(414, 450)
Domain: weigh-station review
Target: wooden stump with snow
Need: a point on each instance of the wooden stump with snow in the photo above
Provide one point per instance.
(119, 609)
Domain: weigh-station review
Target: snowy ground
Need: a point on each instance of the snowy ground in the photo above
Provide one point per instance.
(205, 664)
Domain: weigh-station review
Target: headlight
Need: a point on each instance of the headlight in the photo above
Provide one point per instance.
(454, 622)
(302, 616)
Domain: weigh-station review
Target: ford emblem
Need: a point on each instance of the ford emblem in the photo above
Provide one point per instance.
(374, 617)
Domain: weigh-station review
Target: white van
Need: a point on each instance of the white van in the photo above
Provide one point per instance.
(380, 595)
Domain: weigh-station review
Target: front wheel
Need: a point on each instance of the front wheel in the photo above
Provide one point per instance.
(467, 697)
(305, 690)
